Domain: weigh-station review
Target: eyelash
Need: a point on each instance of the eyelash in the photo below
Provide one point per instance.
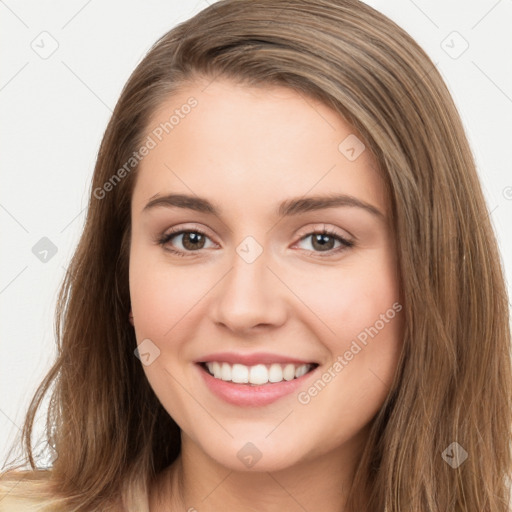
(345, 244)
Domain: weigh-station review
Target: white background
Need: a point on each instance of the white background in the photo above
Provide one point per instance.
(54, 112)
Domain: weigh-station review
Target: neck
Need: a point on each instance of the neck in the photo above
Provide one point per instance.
(195, 482)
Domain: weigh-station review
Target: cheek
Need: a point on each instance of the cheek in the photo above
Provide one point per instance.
(162, 295)
(352, 298)
(365, 321)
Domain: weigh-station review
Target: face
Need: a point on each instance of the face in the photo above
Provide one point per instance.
(251, 272)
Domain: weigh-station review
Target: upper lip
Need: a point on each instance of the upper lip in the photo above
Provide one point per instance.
(251, 359)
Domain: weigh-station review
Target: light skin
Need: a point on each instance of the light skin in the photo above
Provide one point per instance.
(247, 150)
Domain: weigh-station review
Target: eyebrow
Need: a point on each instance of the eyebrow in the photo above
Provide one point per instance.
(289, 207)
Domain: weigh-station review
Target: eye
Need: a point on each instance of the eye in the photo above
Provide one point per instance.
(191, 239)
(324, 240)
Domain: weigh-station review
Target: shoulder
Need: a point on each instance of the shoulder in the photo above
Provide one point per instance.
(25, 491)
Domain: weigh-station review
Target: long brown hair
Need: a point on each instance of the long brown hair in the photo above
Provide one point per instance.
(452, 390)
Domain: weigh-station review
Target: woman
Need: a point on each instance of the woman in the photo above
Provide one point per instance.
(339, 340)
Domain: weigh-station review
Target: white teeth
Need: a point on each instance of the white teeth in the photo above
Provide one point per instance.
(239, 374)
(258, 374)
(216, 370)
(275, 373)
(300, 371)
(225, 371)
(289, 372)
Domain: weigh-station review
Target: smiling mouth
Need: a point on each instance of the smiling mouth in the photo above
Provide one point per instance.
(257, 375)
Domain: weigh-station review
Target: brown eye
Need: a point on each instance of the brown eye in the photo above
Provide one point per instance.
(191, 241)
(324, 242)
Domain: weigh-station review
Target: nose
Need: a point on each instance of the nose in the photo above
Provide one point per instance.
(249, 296)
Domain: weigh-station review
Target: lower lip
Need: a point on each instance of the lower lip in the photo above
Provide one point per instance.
(253, 396)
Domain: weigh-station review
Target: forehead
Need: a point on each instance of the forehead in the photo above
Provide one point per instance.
(223, 139)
